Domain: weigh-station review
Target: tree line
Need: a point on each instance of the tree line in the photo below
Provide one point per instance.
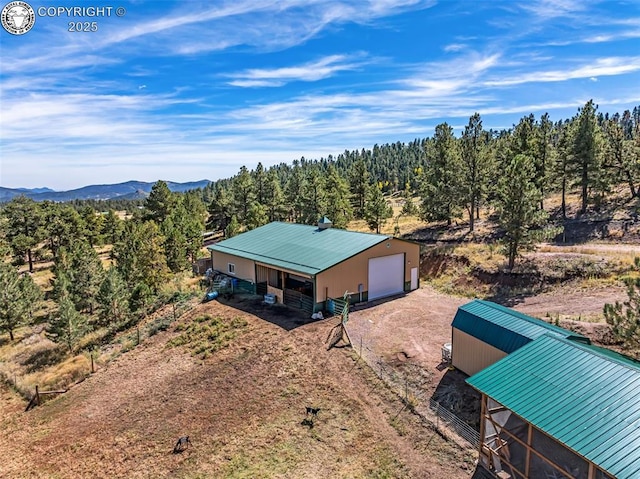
(160, 239)
(509, 171)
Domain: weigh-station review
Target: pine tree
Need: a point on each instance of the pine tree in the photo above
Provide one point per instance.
(475, 166)
(220, 209)
(113, 299)
(112, 227)
(314, 196)
(359, 179)
(67, 326)
(517, 205)
(544, 155)
(86, 274)
(19, 296)
(409, 208)
(274, 197)
(625, 317)
(93, 223)
(233, 228)
(376, 211)
(294, 194)
(586, 152)
(243, 193)
(338, 207)
(442, 189)
(24, 227)
(160, 202)
(256, 216)
(260, 181)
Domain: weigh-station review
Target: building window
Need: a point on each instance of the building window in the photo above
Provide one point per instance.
(231, 268)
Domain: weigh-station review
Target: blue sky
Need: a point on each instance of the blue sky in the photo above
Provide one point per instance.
(191, 90)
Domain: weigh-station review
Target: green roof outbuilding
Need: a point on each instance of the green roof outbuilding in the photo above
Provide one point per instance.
(302, 248)
(586, 398)
(504, 328)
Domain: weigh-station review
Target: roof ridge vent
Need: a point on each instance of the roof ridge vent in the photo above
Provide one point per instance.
(324, 223)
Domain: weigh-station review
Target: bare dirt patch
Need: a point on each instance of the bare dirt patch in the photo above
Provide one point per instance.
(242, 407)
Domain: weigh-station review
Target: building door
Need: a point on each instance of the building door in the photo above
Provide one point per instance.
(414, 278)
(386, 276)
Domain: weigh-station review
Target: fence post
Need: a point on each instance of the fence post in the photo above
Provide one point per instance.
(93, 369)
(37, 396)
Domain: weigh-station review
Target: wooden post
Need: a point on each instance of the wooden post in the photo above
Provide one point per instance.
(37, 396)
(93, 368)
(138, 328)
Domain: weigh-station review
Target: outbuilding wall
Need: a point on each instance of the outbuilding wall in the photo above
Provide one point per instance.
(471, 355)
(347, 275)
(244, 268)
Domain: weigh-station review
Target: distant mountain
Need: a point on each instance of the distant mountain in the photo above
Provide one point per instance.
(127, 190)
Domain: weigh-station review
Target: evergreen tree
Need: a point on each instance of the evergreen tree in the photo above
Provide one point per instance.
(260, 181)
(586, 152)
(243, 193)
(358, 184)
(86, 274)
(409, 208)
(93, 223)
(338, 207)
(111, 227)
(220, 209)
(24, 227)
(294, 194)
(377, 210)
(544, 155)
(625, 317)
(442, 189)
(314, 195)
(18, 298)
(233, 228)
(160, 202)
(256, 216)
(620, 156)
(475, 166)
(274, 197)
(517, 205)
(140, 255)
(113, 299)
(67, 326)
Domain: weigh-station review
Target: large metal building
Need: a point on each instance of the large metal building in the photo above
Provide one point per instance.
(484, 332)
(307, 266)
(558, 408)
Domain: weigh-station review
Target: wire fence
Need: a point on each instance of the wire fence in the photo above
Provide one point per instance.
(410, 382)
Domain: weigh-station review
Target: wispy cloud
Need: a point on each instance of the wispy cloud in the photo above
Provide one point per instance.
(591, 68)
(308, 72)
(454, 47)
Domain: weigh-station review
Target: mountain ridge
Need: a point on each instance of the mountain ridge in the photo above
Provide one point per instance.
(96, 192)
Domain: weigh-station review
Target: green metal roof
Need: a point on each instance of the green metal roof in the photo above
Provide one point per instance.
(296, 247)
(584, 396)
(504, 328)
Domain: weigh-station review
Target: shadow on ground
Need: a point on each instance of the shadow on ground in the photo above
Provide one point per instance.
(455, 395)
(283, 316)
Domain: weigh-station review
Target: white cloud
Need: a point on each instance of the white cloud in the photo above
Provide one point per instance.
(308, 72)
(454, 47)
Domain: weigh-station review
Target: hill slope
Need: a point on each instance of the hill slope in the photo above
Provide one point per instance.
(242, 407)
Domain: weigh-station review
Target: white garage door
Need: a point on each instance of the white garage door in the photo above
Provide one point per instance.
(386, 276)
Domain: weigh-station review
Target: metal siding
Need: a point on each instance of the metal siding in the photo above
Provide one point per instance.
(504, 328)
(348, 274)
(584, 397)
(244, 268)
(470, 355)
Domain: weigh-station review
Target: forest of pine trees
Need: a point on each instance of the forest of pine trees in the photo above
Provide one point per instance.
(451, 179)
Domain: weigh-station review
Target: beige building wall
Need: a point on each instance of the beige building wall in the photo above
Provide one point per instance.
(244, 268)
(347, 275)
(470, 355)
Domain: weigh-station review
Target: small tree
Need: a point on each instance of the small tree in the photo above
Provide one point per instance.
(233, 228)
(625, 317)
(376, 209)
(67, 326)
(18, 298)
(113, 299)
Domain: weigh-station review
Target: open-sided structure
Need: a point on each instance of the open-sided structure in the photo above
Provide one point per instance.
(306, 266)
(558, 408)
(484, 332)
